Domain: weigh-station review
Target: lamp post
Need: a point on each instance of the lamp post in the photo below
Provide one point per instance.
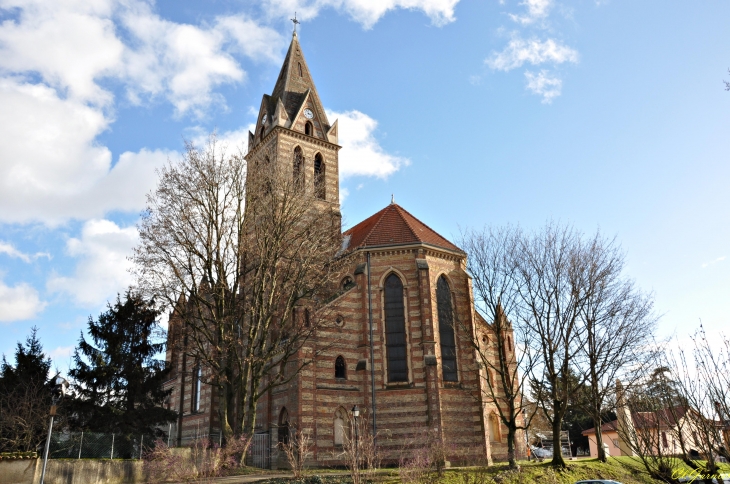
(59, 390)
(355, 415)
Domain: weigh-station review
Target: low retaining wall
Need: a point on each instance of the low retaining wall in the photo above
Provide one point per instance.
(76, 471)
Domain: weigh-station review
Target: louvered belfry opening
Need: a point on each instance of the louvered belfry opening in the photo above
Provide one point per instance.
(446, 330)
(395, 330)
(298, 168)
(319, 177)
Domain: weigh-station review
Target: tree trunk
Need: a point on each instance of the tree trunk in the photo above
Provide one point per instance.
(511, 431)
(558, 460)
(599, 441)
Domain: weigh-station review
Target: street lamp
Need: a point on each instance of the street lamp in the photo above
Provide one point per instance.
(60, 385)
(355, 415)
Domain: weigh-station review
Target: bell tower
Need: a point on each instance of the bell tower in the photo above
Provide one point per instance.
(293, 135)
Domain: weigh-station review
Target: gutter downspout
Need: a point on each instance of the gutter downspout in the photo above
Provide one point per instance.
(372, 353)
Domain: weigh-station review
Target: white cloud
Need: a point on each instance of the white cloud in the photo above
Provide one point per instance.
(11, 251)
(545, 85)
(520, 51)
(51, 168)
(19, 302)
(719, 259)
(366, 12)
(54, 57)
(536, 10)
(61, 352)
(361, 154)
(102, 270)
(344, 192)
(182, 62)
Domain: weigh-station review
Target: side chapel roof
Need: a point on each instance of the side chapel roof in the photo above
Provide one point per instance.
(394, 226)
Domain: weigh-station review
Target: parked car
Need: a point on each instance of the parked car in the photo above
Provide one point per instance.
(540, 452)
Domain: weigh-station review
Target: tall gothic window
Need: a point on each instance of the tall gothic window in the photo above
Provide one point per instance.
(300, 69)
(298, 168)
(308, 129)
(395, 330)
(319, 178)
(446, 330)
(283, 433)
(340, 369)
(197, 383)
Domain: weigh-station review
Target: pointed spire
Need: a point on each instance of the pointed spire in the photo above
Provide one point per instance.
(392, 198)
(295, 82)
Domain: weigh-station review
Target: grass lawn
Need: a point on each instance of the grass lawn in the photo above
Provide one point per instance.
(622, 469)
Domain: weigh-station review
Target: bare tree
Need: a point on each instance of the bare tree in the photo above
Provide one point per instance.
(246, 260)
(552, 273)
(23, 415)
(298, 449)
(618, 325)
(359, 450)
(492, 264)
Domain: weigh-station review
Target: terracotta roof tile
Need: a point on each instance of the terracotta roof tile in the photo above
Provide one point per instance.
(394, 226)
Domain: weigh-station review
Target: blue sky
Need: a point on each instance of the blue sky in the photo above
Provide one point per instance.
(608, 115)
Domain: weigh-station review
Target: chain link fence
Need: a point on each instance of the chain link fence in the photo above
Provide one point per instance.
(92, 445)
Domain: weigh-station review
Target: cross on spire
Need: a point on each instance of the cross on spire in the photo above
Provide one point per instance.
(295, 22)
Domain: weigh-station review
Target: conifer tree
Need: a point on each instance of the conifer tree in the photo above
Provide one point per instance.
(117, 378)
(25, 396)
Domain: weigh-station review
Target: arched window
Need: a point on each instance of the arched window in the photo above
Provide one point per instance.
(300, 68)
(339, 427)
(319, 177)
(197, 386)
(263, 131)
(494, 431)
(308, 129)
(446, 330)
(347, 283)
(340, 369)
(509, 343)
(395, 330)
(298, 168)
(283, 433)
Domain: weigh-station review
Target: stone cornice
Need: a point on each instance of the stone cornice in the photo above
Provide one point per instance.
(293, 134)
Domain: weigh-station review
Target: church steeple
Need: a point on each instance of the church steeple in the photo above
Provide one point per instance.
(294, 96)
(292, 131)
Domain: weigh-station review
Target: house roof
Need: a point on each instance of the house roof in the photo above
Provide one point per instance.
(394, 226)
(607, 427)
(666, 417)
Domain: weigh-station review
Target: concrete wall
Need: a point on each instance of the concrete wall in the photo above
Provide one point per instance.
(63, 471)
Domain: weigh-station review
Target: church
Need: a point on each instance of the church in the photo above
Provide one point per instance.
(394, 350)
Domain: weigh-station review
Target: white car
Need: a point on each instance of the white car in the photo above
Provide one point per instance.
(540, 452)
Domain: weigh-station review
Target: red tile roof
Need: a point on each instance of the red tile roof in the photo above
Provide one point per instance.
(394, 226)
(607, 427)
(666, 417)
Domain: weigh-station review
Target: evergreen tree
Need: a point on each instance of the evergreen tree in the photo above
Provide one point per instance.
(117, 379)
(25, 396)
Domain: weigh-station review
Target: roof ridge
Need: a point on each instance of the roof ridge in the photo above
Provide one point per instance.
(400, 209)
(424, 224)
(375, 225)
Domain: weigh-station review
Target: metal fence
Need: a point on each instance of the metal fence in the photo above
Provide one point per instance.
(259, 453)
(92, 445)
